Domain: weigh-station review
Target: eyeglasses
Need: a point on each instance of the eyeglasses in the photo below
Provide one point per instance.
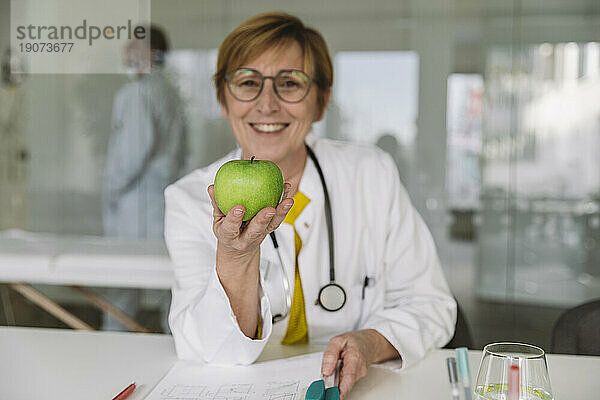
(290, 85)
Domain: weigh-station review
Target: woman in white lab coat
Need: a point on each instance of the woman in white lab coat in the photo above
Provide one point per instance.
(273, 80)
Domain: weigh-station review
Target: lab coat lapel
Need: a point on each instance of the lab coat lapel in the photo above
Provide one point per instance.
(310, 186)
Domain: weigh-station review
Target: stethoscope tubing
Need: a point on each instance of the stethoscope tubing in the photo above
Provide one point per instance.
(328, 216)
(285, 283)
(322, 299)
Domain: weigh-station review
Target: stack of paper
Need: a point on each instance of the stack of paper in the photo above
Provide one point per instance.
(285, 379)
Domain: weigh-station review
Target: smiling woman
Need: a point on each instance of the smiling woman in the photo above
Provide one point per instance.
(273, 80)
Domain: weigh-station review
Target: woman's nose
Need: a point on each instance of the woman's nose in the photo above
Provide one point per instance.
(268, 102)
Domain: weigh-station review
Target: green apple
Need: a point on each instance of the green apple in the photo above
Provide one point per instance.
(254, 184)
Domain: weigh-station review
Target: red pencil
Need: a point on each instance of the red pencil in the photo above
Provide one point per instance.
(126, 392)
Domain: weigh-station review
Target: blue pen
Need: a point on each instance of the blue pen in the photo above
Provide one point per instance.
(463, 367)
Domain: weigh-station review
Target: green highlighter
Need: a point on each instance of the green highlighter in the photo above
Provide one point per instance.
(332, 393)
(316, 391)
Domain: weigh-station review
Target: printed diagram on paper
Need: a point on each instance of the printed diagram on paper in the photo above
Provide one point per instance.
(287, 390)
(285, 379)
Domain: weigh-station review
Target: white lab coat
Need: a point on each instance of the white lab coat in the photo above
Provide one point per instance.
(146, 152)
(377, 234)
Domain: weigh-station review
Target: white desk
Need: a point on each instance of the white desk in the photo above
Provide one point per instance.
(60, 364)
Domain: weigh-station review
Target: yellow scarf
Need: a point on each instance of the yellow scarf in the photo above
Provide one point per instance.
(297, 330)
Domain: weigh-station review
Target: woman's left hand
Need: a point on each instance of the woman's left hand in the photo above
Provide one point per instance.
(357, 350)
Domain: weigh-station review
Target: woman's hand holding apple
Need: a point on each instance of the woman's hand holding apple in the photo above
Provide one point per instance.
(242, 241)
(238, 254)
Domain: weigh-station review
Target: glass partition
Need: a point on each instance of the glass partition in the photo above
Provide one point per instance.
(489, 109)
(541, 174)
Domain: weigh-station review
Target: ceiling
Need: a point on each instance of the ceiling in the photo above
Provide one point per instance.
(354, 9)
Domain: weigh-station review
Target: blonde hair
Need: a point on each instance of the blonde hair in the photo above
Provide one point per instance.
(263, 32)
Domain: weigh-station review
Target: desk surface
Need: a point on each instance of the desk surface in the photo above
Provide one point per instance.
(83, 260)
(61, 364)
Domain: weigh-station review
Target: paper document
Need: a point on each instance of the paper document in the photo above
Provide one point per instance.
(285, 379)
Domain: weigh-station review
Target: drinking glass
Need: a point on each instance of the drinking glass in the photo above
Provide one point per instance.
(492, 378)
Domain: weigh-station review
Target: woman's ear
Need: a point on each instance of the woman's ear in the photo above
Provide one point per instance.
(321, 112)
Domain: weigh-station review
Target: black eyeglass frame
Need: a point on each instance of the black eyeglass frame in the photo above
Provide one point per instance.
(262, 84)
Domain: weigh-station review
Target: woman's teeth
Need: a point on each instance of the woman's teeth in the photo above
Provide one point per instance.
(268, 128)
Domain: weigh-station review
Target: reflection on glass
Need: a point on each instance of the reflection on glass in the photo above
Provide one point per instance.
(375, 100)
(376, 92)
(541, 174)
(463, 181)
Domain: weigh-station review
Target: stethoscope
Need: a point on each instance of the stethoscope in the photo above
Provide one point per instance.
(332, 296)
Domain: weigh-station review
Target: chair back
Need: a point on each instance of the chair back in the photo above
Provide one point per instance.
(577, 331)
(462, 334)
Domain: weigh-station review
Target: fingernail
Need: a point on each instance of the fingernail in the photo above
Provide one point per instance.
(287, 207)
(238, 212)
(270, 214)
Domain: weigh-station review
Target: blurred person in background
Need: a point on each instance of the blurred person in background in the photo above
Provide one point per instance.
(147, 150)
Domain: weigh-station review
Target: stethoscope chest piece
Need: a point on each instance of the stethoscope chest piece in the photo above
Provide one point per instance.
(332, 297)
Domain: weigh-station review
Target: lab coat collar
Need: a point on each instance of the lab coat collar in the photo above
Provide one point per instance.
(237, 153)
(310, 184)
